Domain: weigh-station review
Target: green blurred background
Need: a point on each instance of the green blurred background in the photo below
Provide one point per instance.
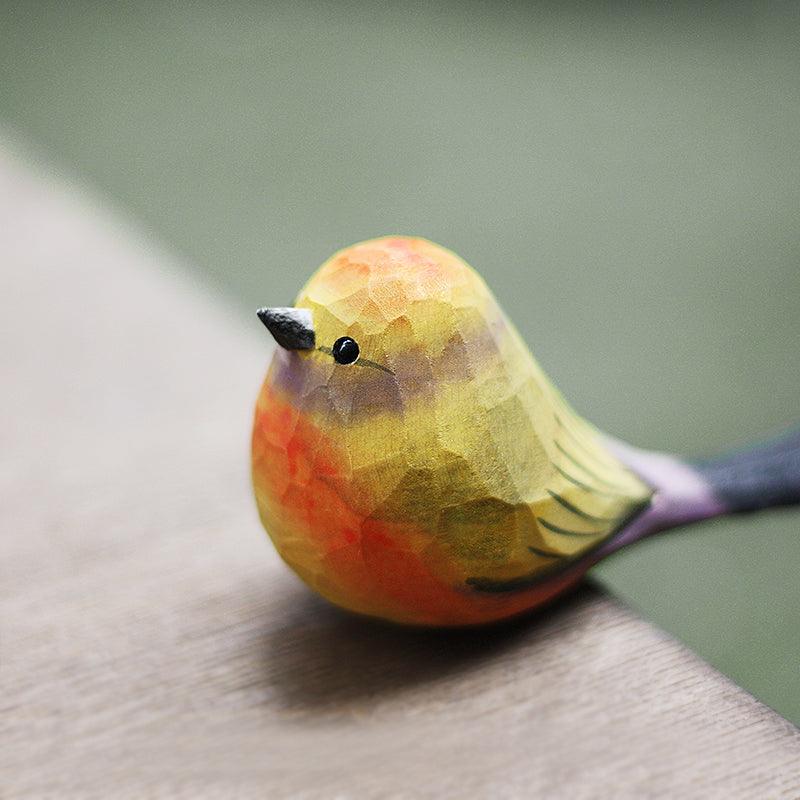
(626, 178)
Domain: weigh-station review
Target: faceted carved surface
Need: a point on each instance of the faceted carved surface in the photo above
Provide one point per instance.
(441, 478)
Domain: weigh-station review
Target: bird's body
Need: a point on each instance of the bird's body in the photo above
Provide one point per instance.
(438, 478)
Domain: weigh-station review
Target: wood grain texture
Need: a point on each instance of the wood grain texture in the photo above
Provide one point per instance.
(153, 645)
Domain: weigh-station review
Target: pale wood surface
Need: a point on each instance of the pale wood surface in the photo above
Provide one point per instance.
(154, 646)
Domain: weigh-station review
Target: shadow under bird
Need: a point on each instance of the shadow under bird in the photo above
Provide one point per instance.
(412, 461)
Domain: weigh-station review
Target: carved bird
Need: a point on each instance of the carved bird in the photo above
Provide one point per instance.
(412, 461)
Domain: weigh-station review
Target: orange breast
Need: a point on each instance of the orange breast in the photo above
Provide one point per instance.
(370, 566)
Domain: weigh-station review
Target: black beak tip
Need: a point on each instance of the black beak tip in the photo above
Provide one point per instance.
(292, 328)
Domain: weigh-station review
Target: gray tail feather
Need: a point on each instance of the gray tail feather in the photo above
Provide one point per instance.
(758, 477)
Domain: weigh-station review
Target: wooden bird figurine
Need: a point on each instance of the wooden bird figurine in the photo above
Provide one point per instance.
(412, 461)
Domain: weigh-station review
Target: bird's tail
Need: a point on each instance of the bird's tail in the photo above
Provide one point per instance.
(758, 477)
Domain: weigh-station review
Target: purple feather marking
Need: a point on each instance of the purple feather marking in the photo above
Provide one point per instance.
(680, 495)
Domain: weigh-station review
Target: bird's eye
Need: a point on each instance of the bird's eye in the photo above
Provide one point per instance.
(345, 350)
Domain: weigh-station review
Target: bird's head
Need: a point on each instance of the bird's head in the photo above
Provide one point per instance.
(401, 306)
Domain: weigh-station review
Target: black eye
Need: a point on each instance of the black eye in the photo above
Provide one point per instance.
(345, 350)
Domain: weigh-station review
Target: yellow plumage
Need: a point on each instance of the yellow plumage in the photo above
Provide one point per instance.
(444, 450)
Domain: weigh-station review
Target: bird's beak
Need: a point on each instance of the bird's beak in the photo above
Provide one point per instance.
(292, 328)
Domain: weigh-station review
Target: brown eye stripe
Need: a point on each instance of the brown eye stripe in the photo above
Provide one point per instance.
(367, 363)
(363, 362)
